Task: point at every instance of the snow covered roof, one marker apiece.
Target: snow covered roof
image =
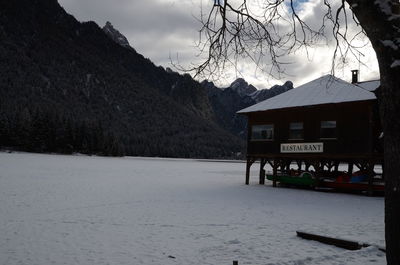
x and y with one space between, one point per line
370 85
324 90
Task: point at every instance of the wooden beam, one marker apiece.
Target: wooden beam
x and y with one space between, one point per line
342 243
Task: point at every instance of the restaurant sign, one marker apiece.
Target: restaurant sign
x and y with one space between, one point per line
302 148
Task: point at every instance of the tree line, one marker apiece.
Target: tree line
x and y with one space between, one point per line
44 130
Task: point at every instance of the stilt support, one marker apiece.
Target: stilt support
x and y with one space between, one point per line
250 162
262 171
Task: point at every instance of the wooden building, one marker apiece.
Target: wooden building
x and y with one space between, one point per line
316 126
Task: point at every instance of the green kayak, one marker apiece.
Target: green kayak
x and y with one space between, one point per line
302 180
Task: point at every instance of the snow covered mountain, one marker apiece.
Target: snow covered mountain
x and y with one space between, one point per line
242 88
227 101
263 94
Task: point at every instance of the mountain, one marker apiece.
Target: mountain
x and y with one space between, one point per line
67 86
239 95
181 88
263 94
242 88
115 35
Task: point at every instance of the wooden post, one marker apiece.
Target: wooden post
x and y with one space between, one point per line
287 164
337 166
319 167
248 165
299 164
350 168
250 161
370 172
274 173
307 165
262 171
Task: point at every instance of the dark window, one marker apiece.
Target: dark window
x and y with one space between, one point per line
262 132
328 129
296 131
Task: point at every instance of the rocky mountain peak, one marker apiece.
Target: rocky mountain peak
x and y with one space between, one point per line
288 85
115 35
264 94
242 87
239 95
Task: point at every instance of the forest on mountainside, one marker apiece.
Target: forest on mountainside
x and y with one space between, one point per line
66 87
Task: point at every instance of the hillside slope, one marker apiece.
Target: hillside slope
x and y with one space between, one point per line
67 87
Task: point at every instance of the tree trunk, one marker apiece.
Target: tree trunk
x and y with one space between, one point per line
390 115
382 28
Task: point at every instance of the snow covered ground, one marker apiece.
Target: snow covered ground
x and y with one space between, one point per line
58 209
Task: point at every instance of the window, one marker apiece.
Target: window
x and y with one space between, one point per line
262 132
296 131
328 129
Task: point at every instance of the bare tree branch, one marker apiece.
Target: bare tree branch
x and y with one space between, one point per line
265 35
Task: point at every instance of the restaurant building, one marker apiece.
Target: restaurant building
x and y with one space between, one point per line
315 128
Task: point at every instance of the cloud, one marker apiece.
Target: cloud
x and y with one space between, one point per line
155 28
160 29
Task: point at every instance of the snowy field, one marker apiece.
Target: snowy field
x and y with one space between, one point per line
84 210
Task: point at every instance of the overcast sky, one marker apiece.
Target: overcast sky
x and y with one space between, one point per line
164 29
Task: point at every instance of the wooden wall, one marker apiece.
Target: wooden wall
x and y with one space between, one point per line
357 127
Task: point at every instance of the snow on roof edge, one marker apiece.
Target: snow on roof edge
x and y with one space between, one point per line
370 85
311 94
313 105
